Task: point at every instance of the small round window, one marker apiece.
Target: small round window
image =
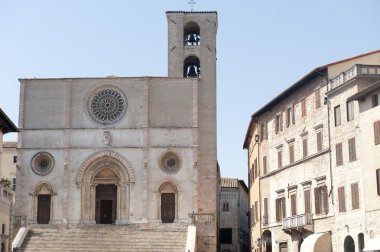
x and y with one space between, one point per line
170 162
106 106
42 163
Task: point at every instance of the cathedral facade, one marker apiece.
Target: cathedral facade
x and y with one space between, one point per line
121 150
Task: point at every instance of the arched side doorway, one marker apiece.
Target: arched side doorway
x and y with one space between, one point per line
43 197
267 241
104 181
168 202
349 244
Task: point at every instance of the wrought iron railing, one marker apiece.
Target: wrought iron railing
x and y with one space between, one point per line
297 221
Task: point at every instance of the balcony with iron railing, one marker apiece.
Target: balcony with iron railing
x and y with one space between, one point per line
355 71
298 223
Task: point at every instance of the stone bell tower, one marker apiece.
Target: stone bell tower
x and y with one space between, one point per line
192 54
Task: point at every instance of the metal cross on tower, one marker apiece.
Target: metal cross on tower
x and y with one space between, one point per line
192 4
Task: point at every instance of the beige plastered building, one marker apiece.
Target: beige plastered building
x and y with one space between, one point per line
300 187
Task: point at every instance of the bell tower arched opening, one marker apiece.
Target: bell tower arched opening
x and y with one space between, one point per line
191 34
192 67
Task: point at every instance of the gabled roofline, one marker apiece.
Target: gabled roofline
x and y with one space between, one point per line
6 125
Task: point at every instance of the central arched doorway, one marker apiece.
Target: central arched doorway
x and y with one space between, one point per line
104 180
168 201
106 196
43 198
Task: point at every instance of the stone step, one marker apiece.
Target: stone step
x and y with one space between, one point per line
134 237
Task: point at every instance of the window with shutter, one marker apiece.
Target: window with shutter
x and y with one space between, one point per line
288 116
337 115
378 181
317 98
256 169
291 153
293 115
279 158
264 165
281 122
253 215
304 147
265 216
256 211
277 124
325 200
293 202
376 127
350 111
278 218
283 209
307 201
355 196
351 149
375 101
266 130
319 141
338 154
317 201
342 199
303 107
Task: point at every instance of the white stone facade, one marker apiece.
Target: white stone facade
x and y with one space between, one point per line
138 138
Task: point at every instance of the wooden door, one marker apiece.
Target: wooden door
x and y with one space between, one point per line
106 212
43 209
167 207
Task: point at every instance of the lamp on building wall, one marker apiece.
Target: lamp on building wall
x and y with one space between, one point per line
257 138
258 242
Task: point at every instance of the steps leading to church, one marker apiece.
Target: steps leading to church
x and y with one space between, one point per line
134 237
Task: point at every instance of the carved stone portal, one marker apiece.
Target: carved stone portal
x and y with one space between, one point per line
105 168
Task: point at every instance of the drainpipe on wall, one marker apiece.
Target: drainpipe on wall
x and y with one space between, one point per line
327 102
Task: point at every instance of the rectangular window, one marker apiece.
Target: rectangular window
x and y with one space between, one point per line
378 181
256 169
264 165
14 159
265 216
293 203
266 130
226 235
307 201
279 158
3 228
253 215
317 98
338 154
303 107
262 132
14 184
281 122
376 127
337 115
321 200
351 149
350 111
341 199
291 153
375 101
355 196
277 124
256 211
319 141
293 115
304 147
288 116
280 209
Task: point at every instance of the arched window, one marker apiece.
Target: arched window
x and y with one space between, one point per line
191 34
192 67
226 206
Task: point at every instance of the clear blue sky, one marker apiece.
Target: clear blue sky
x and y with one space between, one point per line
262 48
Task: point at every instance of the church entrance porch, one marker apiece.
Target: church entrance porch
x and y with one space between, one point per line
106 202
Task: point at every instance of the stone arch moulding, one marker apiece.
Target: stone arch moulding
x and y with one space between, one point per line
87 183
43 187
